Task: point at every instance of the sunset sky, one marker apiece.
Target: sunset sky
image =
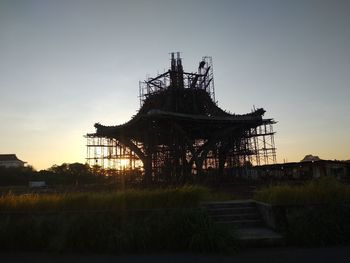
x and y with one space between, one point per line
65 65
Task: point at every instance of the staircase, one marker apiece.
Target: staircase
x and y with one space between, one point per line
245 218
236 213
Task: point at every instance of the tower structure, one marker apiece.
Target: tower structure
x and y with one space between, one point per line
180 133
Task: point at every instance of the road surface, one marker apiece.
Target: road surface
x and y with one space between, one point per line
261 255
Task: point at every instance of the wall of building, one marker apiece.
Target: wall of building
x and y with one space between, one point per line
305 170
11 163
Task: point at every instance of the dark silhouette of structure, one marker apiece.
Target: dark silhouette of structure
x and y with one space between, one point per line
10 160
179 132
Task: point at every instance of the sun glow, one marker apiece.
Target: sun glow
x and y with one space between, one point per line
124 163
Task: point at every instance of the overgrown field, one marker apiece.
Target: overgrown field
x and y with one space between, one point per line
181 197
167 230
323 191
316 213
319 226
130 221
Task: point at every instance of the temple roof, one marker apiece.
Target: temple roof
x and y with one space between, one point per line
9 158
185 100
192 108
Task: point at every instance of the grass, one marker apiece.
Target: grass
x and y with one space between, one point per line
159 231
322 191
184 197
173 222
167 198
322 217
319 226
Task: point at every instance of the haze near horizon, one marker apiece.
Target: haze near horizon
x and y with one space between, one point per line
66 65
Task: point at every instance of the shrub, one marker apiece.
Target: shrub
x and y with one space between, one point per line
319 226
187 196
324 190
120 222
175 230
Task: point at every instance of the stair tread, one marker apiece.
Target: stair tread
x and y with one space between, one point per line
257 233
248 201
246 220
240 221
240 214
231 208
229 204
234 212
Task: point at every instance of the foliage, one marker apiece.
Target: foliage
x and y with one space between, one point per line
57 174
186 196
167 230
324 190
318 214
128 221
320 226
16 175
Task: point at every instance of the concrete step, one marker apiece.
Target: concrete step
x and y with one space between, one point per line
246 220
245 223
240 216
257 233
228 205
238 213
259 236
231 211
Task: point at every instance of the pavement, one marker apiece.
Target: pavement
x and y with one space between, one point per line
257 233
261 255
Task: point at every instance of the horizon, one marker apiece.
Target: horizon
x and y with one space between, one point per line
68 65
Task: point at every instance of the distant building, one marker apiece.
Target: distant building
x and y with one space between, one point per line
10 160
306 169
310 158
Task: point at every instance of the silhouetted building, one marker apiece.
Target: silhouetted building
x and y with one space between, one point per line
180 133
10 160
310 158
305 170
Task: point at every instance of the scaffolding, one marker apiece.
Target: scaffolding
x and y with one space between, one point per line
180 132
203 79
109 153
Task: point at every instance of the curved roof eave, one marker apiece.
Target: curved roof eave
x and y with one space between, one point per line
140 119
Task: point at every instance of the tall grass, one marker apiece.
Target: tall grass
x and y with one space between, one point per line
323 191
319 226
174 230
101 223
184 197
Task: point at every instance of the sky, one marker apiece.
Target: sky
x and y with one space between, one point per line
65 65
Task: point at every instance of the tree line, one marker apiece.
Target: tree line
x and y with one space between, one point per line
66 173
